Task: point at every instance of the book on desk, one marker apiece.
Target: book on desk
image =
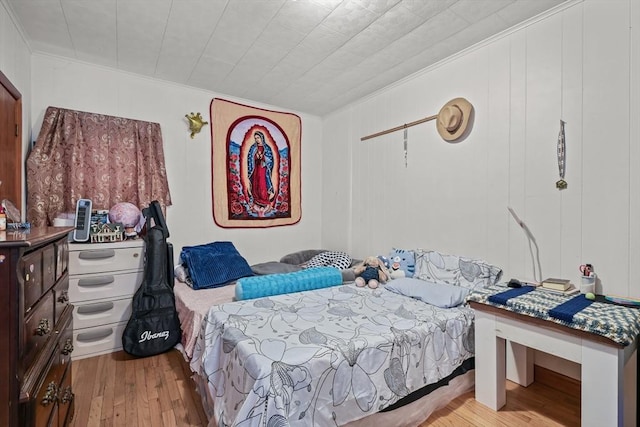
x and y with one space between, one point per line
556 284
570 291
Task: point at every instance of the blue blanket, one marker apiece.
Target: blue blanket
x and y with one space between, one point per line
566 310
503 297
214 264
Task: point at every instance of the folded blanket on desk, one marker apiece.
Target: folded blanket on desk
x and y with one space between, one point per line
566 310
505 296
214 264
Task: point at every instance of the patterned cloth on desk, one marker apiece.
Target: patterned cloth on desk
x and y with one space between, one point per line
570 308
503 297
618 323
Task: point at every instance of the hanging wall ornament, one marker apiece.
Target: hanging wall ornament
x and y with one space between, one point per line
561 184
406 137
195 123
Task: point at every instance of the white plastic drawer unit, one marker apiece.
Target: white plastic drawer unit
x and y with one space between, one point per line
103 285
103 277
91 258
98 340
101 313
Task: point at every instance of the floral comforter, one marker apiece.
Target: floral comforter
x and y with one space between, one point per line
325 357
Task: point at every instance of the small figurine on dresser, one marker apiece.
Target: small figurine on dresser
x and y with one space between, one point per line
107 232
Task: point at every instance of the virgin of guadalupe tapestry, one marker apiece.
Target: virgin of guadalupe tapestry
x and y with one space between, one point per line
255 160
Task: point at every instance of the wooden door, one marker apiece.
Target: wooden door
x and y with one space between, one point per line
10 142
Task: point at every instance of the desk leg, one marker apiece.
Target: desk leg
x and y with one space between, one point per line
520 364
602 385
490 362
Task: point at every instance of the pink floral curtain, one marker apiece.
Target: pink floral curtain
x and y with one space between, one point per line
106 159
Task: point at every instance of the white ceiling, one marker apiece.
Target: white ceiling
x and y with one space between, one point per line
313 56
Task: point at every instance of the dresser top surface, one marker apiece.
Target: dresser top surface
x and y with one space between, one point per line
131 243
32 237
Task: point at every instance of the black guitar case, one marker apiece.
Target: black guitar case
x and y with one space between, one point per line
154 326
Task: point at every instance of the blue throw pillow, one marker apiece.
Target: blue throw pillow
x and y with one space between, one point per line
402 263
438 294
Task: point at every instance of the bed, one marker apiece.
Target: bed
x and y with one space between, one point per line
325 357
341 355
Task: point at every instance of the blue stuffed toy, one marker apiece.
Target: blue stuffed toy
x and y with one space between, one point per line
400 263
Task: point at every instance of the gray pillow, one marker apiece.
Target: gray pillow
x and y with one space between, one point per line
274 267
300 257
439 294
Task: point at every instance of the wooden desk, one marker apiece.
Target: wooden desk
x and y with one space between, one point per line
608 369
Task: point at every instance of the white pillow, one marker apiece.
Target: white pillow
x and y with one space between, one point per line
455 270
438 294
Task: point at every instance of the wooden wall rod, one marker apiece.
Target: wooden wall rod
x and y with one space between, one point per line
407 125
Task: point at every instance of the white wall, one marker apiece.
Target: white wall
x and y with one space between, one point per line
572 64
79 86
15 63
578 63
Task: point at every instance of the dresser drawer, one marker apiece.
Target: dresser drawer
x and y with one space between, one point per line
31 273
61 297
62 249
48 267
46 395
98 340
65 399
65 340
38 328
41 389
64 350
103 285
92 314
105 259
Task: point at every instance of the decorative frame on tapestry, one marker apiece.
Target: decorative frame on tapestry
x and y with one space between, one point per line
255 166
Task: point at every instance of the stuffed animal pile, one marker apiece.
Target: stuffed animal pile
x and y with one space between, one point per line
371 272
374 271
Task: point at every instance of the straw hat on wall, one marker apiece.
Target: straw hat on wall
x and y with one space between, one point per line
454 119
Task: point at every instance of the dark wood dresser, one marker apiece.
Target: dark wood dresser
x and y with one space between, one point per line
36 328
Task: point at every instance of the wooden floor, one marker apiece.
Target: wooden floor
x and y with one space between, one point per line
119 390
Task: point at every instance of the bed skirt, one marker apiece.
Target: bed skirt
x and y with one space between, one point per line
413 410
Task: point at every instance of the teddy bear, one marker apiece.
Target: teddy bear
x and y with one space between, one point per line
370 272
